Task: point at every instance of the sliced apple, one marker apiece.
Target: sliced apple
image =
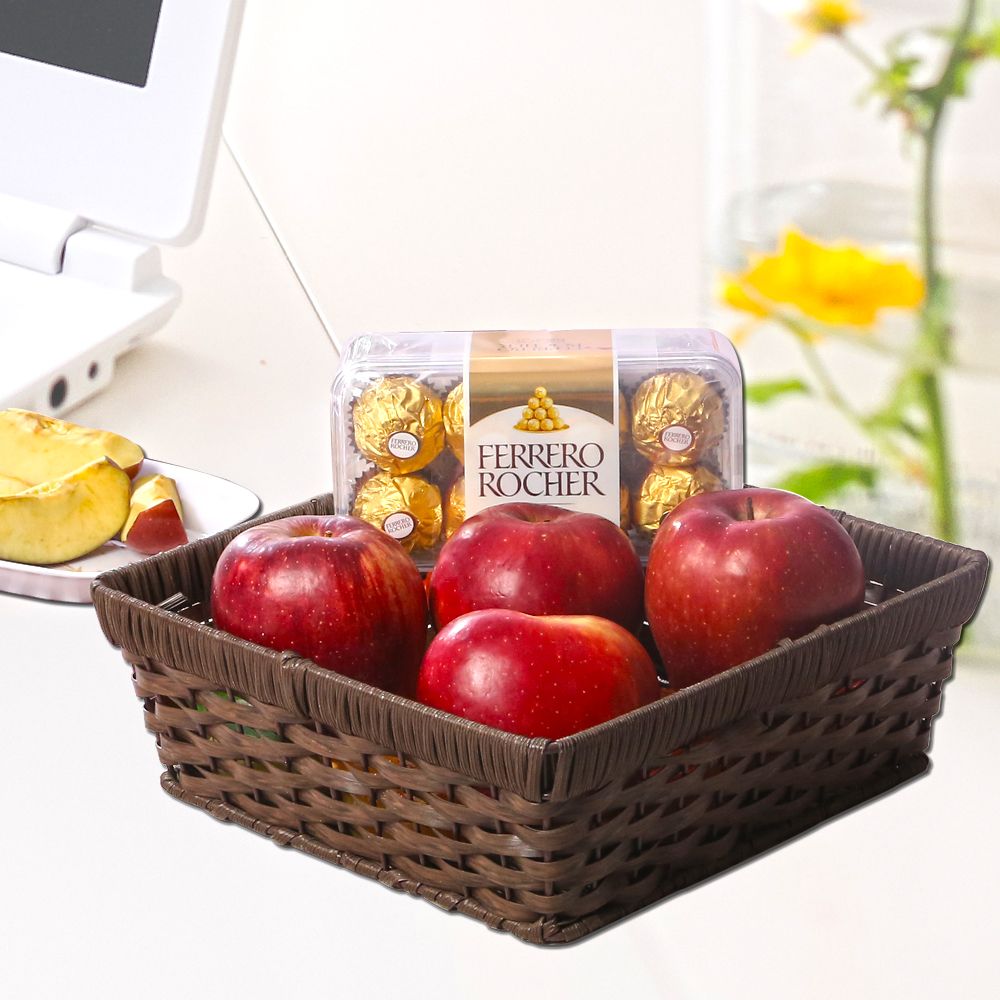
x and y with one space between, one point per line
155 520
11 484
37 448
64 518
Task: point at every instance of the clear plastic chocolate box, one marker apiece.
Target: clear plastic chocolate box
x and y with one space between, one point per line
431 428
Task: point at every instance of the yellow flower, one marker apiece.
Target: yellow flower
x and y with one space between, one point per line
839 284
827 17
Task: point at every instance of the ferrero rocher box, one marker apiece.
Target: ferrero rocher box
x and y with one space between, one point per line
432 428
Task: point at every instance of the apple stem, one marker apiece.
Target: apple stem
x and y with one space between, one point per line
749 508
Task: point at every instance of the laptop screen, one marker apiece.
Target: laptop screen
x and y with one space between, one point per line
107 38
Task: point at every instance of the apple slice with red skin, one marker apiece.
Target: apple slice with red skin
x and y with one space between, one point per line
536 676
732 573
155 520
333 589
539 559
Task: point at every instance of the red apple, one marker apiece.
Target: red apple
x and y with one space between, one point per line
733 572
533 676
541 560
333 589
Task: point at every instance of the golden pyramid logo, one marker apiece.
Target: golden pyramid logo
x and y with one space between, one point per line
541 414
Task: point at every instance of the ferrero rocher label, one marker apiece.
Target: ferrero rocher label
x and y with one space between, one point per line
398 424
677 418
664 488
454 507
408 508
542 420
454 420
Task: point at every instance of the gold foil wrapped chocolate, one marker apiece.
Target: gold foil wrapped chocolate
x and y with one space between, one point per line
677 418
664 488
398 424
454 420
408 508
454 507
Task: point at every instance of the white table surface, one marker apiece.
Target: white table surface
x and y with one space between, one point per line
109 888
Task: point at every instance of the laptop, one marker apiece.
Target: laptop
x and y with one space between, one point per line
110 123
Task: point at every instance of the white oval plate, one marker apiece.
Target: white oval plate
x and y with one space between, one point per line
210 505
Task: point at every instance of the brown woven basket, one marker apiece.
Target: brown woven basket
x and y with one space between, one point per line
549 840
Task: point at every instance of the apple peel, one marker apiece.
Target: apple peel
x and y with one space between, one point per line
155 521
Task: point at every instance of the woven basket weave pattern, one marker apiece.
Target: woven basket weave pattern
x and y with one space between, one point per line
548 840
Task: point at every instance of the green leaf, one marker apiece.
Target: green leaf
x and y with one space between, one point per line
991 41
767 392
984 44
826 479
893 85
895 413
257 734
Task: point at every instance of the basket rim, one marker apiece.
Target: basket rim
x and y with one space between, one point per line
942 585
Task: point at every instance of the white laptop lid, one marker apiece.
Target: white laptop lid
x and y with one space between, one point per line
112 108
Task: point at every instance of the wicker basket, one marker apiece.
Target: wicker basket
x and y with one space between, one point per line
549 840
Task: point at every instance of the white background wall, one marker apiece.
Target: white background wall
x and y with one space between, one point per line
462 164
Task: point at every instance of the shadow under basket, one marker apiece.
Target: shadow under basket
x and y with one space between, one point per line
548 840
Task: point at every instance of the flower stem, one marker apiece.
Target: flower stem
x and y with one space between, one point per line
839 401
935 330
869 342
862 55
936 344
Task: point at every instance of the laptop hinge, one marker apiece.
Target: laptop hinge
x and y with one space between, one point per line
33 235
